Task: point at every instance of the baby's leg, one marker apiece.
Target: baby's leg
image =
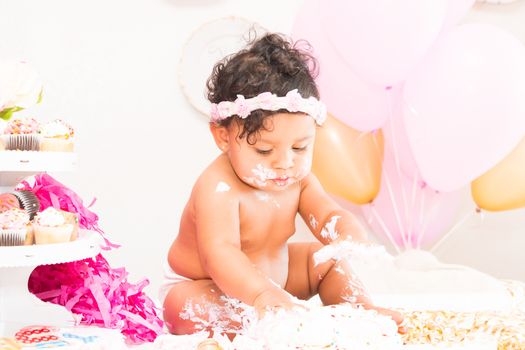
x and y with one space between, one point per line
334 281
303 278
194 298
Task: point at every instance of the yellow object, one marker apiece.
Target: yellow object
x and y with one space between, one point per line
9 344
449 327
347 161
503 186
209 344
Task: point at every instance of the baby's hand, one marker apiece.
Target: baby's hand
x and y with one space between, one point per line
274 298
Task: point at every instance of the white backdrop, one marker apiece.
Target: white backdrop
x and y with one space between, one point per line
110 68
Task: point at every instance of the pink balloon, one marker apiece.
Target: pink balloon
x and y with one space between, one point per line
348 97
409 213
456 10
382 40
464 105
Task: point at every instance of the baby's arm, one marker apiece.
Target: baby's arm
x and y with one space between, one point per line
218 238
325 217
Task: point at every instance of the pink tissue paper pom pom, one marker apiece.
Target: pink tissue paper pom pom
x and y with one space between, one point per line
101 295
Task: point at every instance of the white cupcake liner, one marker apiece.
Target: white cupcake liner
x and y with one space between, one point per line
12 237
24 142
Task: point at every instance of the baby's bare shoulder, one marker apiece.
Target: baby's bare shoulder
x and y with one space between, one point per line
218 177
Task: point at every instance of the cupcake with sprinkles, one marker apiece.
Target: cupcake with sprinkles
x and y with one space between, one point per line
8 201
15 229
21 134
57 136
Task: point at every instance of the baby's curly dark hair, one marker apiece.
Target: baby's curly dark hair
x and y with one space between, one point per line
271 63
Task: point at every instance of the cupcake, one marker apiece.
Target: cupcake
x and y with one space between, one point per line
14 228
57 136
8 201
21 134
50 226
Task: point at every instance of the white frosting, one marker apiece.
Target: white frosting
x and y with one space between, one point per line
50 217
222 187
262 196
321 328
328 230
313 221
261 176
353 251
314 327
54 128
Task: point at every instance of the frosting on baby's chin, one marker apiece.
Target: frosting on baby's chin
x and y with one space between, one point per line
260 177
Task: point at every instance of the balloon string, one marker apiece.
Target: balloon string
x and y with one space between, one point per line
452 230
396 209
385 229
407 239
413 197
425 224
393 204
421 215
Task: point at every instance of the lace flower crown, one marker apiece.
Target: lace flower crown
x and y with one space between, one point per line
292 102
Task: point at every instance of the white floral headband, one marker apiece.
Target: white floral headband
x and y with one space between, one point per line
293 102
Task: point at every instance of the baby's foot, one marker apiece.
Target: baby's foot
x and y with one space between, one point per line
395 315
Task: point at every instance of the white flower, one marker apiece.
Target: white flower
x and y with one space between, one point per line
20 86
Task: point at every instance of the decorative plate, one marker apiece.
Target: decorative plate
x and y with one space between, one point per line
207 45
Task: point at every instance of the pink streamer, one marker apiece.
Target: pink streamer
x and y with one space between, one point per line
52 193
101 294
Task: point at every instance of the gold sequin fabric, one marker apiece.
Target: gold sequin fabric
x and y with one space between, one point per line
447 327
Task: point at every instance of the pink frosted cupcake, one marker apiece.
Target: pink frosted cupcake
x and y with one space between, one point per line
14 228
51 226
21 134
57 136
8 201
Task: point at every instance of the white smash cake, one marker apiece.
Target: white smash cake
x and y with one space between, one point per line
445 306
416 280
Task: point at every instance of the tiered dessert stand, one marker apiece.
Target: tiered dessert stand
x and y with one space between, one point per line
18 307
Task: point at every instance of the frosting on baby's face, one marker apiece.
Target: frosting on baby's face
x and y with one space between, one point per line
281 155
